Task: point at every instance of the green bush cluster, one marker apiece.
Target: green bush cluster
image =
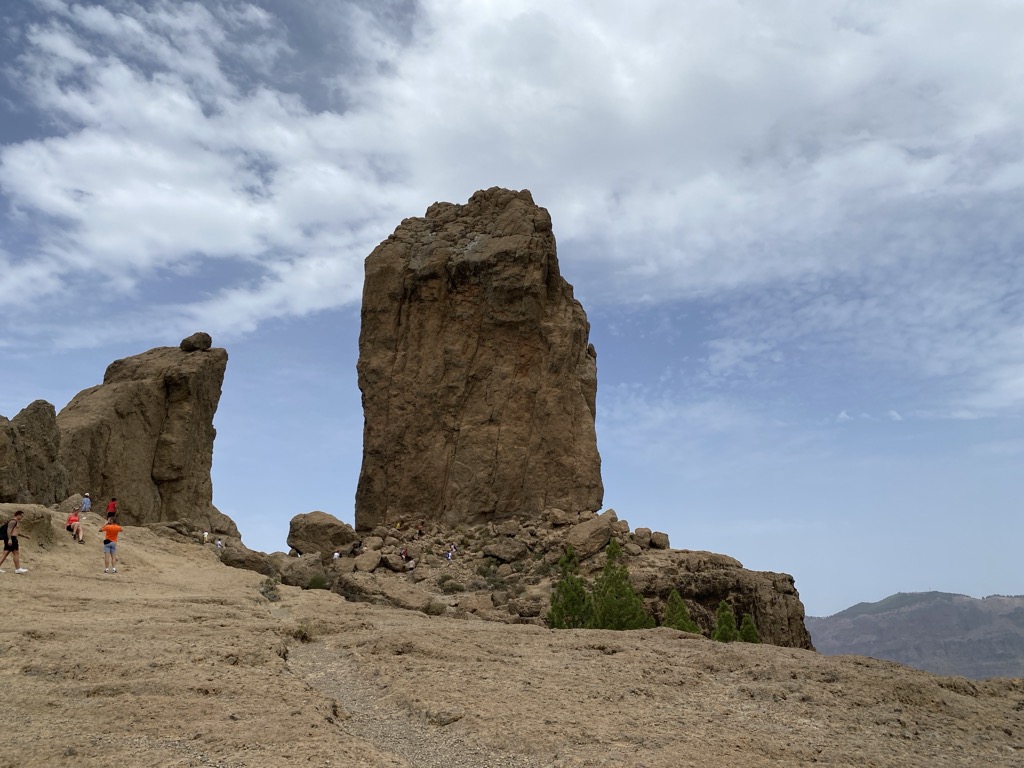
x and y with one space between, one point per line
609 603
725 626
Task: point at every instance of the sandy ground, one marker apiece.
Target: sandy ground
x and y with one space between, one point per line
180 661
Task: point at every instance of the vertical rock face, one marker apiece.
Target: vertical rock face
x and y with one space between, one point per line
146 435
477 376
29 444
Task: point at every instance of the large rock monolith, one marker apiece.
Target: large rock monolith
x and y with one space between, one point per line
145 435
477 375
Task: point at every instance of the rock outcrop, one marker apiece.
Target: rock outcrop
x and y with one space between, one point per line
505 571
320 532
477 376
29 467
145 435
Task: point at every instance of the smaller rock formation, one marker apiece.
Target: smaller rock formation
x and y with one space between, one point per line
145 435
320 532
29 467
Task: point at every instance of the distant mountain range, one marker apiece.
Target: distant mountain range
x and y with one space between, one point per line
935 631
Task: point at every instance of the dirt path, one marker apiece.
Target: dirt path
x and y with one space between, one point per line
373 713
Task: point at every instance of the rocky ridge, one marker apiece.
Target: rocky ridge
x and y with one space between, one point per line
505 571
936 631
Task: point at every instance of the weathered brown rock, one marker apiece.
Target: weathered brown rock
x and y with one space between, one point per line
507 550
589 538
238 556
478 379
704 579
29 469
368 560
36 525
320 532
371 588
304 572
145 436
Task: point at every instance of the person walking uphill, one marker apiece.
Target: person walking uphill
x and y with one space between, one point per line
110 531
11 531
111 509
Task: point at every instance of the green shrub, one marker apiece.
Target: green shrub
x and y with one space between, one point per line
677 615
452 586
434 609
616 605
725 624
748 630
571 605
318 581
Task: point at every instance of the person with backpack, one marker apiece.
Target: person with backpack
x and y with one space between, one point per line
11 531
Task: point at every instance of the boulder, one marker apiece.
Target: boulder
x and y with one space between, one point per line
559 517
145 435
387 590
659 540
238 556
304 572
38 524
320 532
368 560
590 537
30 471
642 537
476 371
507 550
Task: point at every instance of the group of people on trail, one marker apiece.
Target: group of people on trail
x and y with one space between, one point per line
12 531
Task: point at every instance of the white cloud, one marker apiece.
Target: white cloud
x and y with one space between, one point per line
816 171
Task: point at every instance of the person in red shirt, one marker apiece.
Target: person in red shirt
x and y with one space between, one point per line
111 508
110 531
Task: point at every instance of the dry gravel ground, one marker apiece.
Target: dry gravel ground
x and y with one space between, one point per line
180 661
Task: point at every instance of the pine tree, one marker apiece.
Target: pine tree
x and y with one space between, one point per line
748 630
616 604
725 624
571 605
677 615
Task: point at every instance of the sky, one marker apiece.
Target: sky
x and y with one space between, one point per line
795 228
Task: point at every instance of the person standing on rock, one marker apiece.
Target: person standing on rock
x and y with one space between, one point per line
86 504
111 509
12 531
110 531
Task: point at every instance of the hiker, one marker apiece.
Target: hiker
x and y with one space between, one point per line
111 509
86 504
206 537
110 531
12 530
74 525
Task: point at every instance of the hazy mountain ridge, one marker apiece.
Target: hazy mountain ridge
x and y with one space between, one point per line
940 632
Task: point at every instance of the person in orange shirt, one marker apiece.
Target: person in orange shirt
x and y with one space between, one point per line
110 531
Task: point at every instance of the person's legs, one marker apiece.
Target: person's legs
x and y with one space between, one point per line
113 558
